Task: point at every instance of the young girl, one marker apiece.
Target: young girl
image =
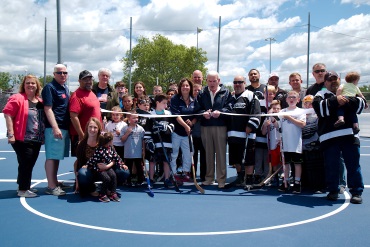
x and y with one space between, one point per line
271 125
102 161
114 126
132 136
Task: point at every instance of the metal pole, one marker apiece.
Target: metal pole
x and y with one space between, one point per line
45 53
308 47
130 58
59 35
218 52
198 31
270 39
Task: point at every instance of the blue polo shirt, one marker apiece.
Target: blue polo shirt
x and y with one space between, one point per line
57 96
179 107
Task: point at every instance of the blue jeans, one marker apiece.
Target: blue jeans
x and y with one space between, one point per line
86 178
183 142
351 157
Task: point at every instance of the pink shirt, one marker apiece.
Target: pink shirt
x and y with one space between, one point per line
17 108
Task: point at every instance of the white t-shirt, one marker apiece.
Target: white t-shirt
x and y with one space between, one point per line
274 136
291 133
115 128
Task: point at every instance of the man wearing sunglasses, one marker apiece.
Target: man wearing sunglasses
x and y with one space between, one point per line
318 72
56 100
242 129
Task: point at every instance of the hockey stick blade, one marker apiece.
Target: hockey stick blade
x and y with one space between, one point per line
201 190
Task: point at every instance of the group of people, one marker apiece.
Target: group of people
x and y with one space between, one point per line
111 145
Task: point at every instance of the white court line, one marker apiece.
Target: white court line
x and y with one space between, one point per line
32 210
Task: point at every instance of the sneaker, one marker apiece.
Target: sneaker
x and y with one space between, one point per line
356 199
296 187
168 183
30 189
249 180
206 182
104 198
114 197
27 194
57 191
282 187
186 177
338 123
332 196
63 185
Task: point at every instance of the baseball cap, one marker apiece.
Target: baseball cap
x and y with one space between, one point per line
330 74
84 74
273 74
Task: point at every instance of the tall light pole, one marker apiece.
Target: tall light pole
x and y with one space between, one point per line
270 39
198 31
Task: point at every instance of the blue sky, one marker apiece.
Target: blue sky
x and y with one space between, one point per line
95 34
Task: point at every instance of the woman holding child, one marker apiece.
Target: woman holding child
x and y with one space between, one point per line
85 177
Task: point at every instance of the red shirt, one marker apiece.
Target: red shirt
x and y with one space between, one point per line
86 105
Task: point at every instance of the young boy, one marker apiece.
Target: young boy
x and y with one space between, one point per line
291 136
163 127
132 136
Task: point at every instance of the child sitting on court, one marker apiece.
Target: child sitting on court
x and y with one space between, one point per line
132 135
349 89
102 161
291 137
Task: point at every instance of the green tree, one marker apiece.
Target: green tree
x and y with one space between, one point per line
162 59
5 78
49 78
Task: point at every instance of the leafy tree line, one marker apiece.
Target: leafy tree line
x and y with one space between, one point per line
162 60
9 81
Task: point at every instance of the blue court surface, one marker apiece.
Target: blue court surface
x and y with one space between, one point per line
231 217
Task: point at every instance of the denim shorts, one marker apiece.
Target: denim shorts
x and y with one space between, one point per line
56 149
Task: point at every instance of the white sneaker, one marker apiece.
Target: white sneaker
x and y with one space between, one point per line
31 189
27 194
57 191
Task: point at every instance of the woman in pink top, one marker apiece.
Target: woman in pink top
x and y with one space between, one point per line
24 116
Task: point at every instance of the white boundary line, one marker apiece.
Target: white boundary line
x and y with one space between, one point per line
32 210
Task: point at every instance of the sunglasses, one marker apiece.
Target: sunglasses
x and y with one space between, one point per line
238 82
59 73
144 101
320 70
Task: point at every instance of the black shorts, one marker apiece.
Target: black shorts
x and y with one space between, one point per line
292 158
236 151
159 156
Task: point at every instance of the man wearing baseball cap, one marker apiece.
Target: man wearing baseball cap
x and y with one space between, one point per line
82 106
280 93
339 140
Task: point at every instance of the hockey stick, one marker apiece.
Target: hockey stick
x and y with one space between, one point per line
267 179
168 163
149 192
201 190
285 171
233 183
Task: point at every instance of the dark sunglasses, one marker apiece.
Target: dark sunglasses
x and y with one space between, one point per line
143 101
238 82
59 73
320 70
